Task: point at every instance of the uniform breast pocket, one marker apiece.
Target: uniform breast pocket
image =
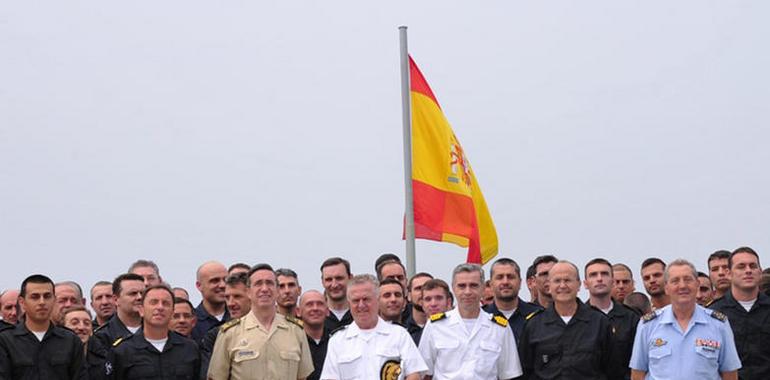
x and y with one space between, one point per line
290 360
141 372
184 371
59 361
351 367
488 353
708 360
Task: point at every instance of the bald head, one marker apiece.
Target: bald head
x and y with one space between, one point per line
211 283
310 294
8 308
208 267
313 309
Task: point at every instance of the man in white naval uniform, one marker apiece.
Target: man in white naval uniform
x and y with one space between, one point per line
466 342
369 346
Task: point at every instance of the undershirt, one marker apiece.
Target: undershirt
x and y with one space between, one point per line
566 319
219 317
469 324
747 304
39 335
133 330
607 310
367 334
158 343
339 313
508 313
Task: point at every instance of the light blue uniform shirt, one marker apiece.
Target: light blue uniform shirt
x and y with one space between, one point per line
702 351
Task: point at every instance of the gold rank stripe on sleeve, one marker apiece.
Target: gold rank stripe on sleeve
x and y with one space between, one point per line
437 317
500 320
532 314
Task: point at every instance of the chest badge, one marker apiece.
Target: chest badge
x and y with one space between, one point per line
659 342
545 359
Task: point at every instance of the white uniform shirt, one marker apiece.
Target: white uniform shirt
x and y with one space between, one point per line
453 352
354 355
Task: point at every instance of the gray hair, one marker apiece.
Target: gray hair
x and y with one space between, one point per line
679 262
361 279
468 268
72 284
144 263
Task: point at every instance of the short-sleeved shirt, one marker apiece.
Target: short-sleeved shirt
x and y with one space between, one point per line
704 350
356 354
451 351
244 349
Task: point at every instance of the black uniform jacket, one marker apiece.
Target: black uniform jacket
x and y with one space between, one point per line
519 316
751 330
58 356
136 358
100 345
580 349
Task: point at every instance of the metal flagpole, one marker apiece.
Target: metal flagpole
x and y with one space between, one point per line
406 118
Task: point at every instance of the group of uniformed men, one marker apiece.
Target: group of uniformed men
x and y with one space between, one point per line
254 322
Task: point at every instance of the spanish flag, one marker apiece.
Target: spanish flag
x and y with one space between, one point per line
448 204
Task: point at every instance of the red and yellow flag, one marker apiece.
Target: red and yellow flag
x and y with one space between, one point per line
448 204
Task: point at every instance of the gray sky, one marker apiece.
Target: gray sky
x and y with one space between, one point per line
257 132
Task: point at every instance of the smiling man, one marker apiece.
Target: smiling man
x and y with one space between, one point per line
263 344
183 319
684 340
313 310
505 280
36 348
128 290
155 351
749 313
335 273
212 311
467 342
392 300
370 346
569 340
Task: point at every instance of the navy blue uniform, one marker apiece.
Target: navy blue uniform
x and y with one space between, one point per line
100 345
136 358
59 356
206 322
580 349
519 316
751 330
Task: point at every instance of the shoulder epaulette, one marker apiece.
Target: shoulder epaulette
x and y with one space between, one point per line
437 317
649 316
338 329
229 324
532 314
118 341
500 320
718 315
295 321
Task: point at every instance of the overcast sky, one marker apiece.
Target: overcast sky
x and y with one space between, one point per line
250 131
